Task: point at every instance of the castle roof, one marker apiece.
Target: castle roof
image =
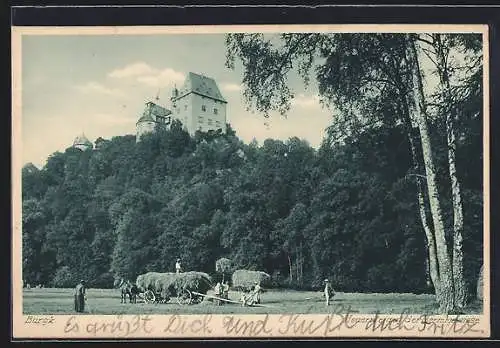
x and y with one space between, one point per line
82 140
201 85
146 117
152 111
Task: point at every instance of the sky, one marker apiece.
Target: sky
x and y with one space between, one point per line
98 84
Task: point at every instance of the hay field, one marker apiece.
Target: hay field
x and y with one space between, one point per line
107 301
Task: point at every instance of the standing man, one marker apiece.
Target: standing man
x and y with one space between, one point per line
218 293
80 297
225 290
178 267
256 292
329 293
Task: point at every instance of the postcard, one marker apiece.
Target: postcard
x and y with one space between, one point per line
250 182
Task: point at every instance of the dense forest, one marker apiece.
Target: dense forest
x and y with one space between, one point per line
300 214
355 210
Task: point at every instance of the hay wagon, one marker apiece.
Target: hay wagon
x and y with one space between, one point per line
149 296
183 297
184 287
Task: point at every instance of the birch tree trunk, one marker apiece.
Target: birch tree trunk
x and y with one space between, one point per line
432 261
458 218
418 114
297 263
432 266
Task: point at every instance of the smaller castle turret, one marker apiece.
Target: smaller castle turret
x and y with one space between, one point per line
81 142
152 117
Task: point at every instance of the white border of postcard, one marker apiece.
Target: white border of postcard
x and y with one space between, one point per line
213 326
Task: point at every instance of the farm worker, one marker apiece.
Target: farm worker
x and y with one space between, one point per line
178 267
225 290
218 293
328 292
256 292
80 296
243 300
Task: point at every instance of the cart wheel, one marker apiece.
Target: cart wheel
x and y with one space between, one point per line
197 299
149 296
184 297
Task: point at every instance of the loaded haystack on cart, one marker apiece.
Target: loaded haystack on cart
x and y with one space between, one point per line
247 282
185 287
250 283
147 284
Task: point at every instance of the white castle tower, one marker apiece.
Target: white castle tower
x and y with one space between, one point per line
199 104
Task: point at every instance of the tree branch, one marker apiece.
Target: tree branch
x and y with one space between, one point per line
290 52
428 54
419 38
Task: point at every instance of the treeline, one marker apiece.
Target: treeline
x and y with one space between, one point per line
347 212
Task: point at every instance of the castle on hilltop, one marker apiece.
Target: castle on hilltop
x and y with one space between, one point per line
198 105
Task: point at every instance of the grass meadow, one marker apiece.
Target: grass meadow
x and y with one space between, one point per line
107 301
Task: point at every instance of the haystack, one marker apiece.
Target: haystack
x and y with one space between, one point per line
170 284
148 281
245 280
193 281
223 265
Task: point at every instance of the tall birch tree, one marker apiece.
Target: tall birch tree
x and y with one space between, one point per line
361 76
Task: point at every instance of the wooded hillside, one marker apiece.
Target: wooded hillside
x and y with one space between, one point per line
348 212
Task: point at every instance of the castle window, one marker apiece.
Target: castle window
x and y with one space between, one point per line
216 111
203 108
209 122
185 107
217 124
200 119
